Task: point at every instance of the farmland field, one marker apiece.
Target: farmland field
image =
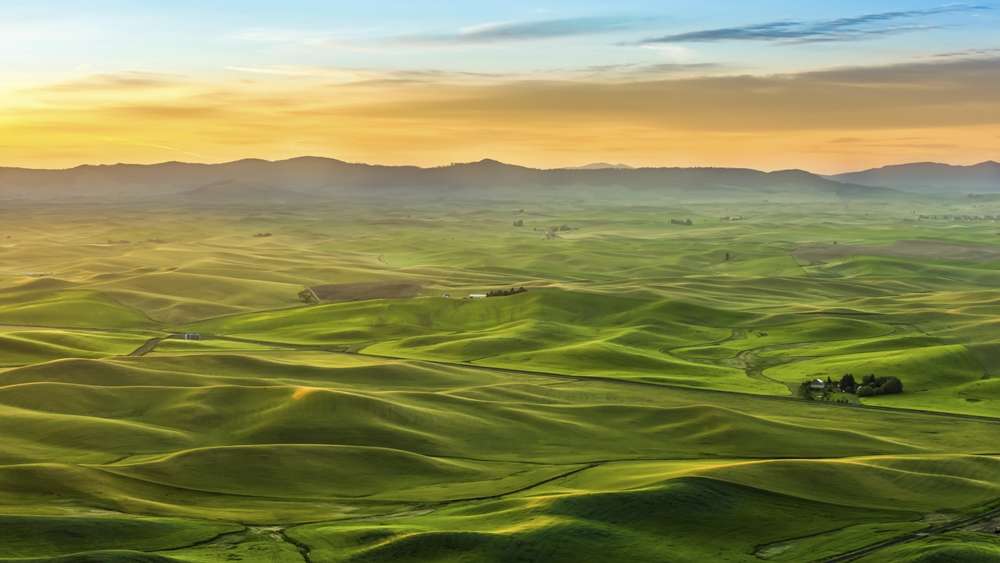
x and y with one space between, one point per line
636 402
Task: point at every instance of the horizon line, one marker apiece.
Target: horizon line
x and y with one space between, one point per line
487 159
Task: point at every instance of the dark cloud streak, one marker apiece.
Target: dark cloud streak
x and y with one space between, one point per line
939 94
855 28
529 30
968 53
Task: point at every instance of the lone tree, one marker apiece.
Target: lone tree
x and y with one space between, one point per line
891 385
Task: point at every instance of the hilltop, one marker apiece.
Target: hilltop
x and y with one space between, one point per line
930 177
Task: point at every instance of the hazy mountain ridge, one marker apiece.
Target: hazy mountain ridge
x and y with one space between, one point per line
930 177
318 176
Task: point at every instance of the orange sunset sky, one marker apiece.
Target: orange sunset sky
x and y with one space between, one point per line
851 86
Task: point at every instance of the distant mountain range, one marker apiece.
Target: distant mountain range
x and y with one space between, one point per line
307 178
930 177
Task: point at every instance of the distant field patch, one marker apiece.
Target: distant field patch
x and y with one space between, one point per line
919 249
365 290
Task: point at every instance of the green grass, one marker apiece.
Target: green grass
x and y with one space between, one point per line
321 471
45 536
956 546
26 346
680 520
75 309
633 405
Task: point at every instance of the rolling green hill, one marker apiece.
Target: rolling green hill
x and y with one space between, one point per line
637 402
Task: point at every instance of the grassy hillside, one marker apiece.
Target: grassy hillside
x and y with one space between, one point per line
25 345
635 403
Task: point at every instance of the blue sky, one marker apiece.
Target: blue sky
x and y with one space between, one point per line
186 36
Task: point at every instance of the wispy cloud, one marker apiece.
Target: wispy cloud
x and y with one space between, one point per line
139 143
865 26
925 94
968 53
135 80
350 39
500 32
640 71
294 71
573 114
371 76
274 35
337 75
882 143
492 32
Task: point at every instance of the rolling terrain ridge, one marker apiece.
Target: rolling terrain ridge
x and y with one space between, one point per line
636 402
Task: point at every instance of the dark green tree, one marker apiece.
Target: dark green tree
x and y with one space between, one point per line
891 385
848 384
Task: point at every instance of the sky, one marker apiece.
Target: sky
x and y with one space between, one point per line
769 84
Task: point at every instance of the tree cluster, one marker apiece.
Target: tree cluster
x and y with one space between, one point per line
505 292
848 384
686 222
872 386
962 217
805 390
869 386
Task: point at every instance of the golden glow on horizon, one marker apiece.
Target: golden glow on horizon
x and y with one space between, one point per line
821 121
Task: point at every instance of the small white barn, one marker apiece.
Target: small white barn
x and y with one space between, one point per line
477 296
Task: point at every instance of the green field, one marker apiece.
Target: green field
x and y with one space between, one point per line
634 404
